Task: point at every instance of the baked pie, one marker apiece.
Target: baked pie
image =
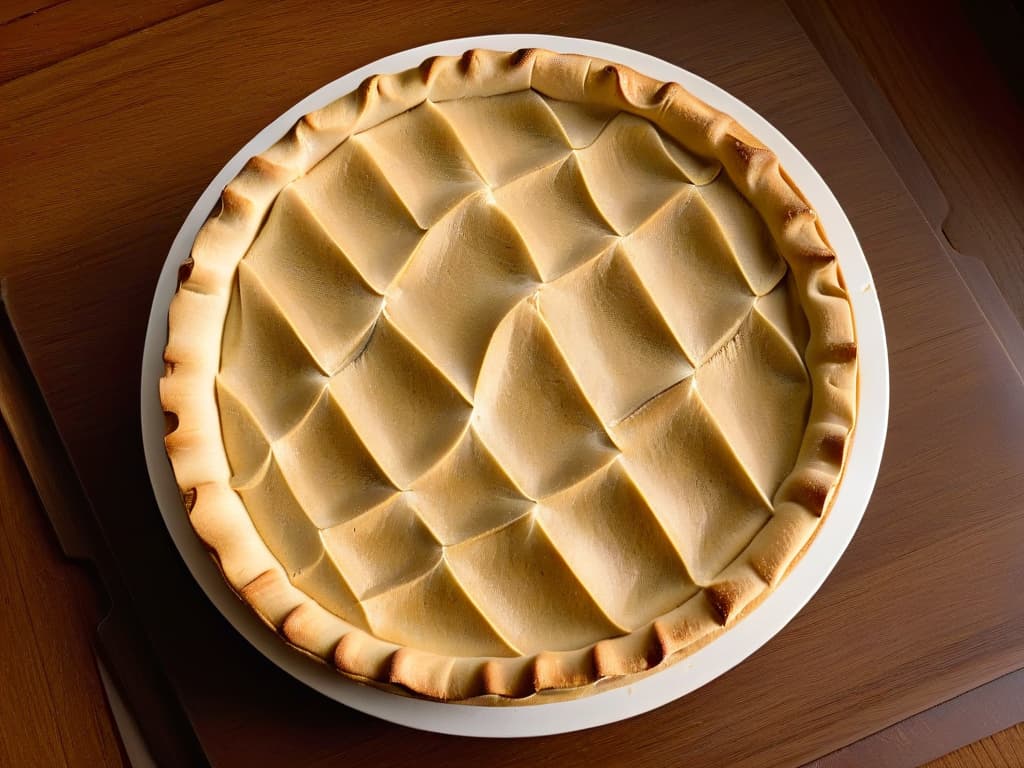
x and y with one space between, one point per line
509 377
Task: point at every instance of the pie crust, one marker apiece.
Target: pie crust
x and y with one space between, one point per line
509 377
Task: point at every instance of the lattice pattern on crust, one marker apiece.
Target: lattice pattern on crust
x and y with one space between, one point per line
576 400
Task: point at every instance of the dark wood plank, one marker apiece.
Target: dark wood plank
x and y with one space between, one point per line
119 640
73 26
961 113
824 30
942 729
90 220
53 711
974 260
994 706
10 10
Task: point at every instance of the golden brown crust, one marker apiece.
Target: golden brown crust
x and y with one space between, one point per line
196 320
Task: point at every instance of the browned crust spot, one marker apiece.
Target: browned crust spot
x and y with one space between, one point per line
470 61
350 658
427 68
305 123
523 57
185 269
436 677
811 492
724 598
770 564
795 213
499 681
611 662
635 88
767 566
188 498
673 635
233 203
256 585
292 626
841 352
667 94
818 254
668 91
555 670
261 166
170 417
747 153
833 447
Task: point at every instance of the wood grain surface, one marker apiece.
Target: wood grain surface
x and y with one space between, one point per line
19 10
75 26
965 191
962 114
1001 750
52 710
105 152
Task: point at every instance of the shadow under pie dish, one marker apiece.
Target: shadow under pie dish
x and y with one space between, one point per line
512 373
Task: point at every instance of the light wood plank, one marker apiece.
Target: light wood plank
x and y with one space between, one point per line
72 27
1000 750
53 710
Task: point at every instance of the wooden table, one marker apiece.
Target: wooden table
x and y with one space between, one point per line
116 117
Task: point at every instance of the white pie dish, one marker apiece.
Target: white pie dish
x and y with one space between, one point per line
667 684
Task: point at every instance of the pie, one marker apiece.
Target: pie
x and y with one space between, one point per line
509 377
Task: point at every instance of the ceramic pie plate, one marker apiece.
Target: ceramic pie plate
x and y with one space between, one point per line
646 693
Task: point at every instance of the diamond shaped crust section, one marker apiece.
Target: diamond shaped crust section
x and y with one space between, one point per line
402 407
759 358
510 373
676 455
244 439
747 234
487 497
608 328
582 123
332 473
630 172
605 531
509 136
407 547
557 217
318 289
530 412
280 519
446 313
326 584
264 362
423 160
782 310
682 257
420 613
514 569
349 194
